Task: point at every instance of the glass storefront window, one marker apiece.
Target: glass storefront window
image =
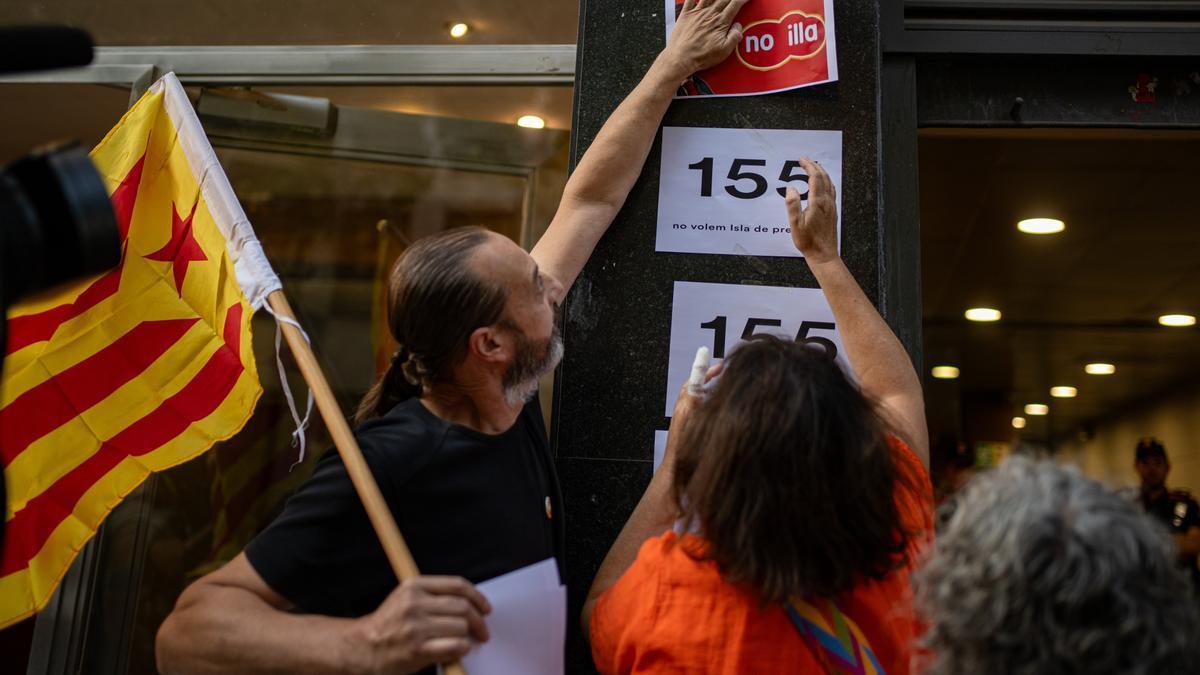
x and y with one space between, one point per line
333 207
332 228
34 114
306 22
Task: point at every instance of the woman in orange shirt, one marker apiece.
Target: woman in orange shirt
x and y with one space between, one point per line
804 498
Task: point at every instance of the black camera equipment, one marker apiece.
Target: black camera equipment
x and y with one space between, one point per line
56 220
25 49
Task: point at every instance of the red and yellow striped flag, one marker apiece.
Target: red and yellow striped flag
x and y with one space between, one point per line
140 369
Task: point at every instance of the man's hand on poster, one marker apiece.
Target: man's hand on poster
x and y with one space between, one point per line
814 229
704 34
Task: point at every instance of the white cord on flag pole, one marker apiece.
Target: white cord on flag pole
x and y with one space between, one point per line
301 424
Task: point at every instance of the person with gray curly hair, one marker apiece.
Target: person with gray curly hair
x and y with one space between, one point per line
1041 570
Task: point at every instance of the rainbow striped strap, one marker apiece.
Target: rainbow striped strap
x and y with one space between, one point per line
837 642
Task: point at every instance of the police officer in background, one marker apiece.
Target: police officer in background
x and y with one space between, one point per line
1174 508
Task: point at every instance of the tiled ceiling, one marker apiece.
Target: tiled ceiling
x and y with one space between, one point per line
1131 251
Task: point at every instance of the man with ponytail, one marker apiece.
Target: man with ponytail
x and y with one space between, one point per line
451 431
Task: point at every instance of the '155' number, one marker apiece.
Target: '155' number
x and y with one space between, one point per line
738 173
719 324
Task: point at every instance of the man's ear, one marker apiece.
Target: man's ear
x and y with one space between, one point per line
488 344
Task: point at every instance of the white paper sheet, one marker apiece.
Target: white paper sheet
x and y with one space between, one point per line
660 448
660 451
699 210
528 624
718 315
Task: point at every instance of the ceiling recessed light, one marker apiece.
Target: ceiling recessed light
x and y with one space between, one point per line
1037 409
1099 369
458 30
982 314
1064 392
1041 226
531 122
945 372
1177 320
1018 422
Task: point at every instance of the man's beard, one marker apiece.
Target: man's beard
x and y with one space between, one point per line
532 361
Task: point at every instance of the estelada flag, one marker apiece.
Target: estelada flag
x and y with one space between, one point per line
140 369
786 44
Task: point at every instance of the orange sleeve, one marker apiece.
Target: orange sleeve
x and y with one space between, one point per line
626 611
914 498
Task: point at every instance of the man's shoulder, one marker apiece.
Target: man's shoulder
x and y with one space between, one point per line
404 434
405 418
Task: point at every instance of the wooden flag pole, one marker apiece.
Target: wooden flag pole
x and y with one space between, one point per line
360 474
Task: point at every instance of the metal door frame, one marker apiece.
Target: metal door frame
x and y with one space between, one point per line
1084 27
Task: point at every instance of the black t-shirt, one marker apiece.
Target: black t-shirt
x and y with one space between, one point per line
468 504
1176 509
1179 512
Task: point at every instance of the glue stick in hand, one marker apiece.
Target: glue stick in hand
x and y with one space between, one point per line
699 370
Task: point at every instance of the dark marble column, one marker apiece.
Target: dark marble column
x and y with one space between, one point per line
612 383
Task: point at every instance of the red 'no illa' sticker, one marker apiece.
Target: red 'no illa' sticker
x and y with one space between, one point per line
767 45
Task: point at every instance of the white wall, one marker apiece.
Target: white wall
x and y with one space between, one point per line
1174 420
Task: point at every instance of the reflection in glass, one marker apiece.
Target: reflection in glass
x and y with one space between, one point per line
332 228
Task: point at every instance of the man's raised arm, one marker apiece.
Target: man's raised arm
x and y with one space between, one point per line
704 35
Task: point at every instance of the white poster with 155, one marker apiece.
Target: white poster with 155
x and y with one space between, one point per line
721 190
719 316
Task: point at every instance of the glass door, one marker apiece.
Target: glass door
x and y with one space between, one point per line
335 193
